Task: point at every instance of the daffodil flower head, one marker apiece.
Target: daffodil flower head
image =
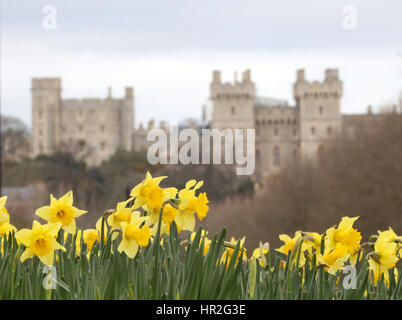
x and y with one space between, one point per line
229 250
334 260
344 234
207 242
40 241
121 214
383 258
260 252
61 210
148 192
189 204
4 216
134 235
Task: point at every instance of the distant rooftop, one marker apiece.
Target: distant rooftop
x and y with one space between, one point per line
266 102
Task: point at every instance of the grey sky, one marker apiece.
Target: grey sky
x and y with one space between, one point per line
167 50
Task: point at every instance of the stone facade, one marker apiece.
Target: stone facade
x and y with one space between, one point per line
91 129
282 132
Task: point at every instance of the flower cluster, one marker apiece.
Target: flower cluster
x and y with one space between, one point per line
152 209
135 220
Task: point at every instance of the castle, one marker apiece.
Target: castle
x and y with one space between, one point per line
91 129
283 132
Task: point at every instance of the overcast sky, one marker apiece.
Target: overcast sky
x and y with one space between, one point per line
167 49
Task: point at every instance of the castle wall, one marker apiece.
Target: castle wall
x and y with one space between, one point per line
283 133
91 129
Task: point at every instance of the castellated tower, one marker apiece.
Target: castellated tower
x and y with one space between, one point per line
127 119
46 103
319 108
232 102
91 129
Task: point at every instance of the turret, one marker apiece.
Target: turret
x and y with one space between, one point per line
232 102
46 104
319 107
127 119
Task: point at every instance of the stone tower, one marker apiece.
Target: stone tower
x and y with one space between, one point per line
319 108
127 119
46 103
91 129
232 102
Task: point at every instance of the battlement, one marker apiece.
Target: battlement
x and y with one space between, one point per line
46 83
330 86
244 89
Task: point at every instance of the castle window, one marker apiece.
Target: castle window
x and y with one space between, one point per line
321 110
233 111
329 130
313 130
276 131
276 157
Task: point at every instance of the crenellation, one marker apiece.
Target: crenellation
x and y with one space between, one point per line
283 132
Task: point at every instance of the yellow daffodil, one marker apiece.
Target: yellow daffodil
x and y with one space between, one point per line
260 252
314 239
229 249
383 258
334 260
168 215
90 236
148 192
292 246
189 204
121 214
346 235
207 242
134 235
61 210
40 241
5 226
4 216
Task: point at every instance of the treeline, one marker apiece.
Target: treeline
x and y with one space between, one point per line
99 188
359 175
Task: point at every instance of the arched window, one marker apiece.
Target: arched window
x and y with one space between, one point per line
313 130
276 157
276 131
233 110
329 130
321 110
294 131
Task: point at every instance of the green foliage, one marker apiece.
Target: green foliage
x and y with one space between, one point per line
171 269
